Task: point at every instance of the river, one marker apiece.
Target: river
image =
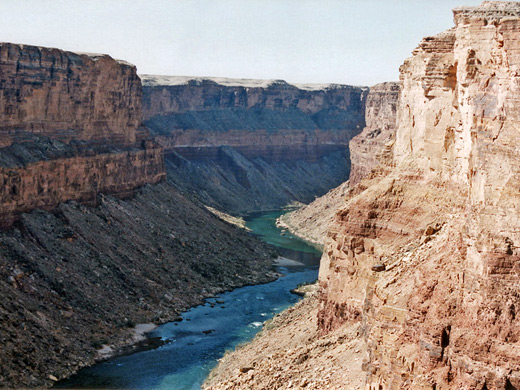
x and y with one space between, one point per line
191 348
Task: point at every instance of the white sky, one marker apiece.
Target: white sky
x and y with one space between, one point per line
360 42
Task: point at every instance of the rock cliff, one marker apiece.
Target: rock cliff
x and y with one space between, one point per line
276 142
311 222
78 267
70 129
380 118
424 257
67 96
44 172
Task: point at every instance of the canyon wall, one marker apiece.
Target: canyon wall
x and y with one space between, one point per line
367 149
380 118
44 173
65 95
70 129
424 255
275 142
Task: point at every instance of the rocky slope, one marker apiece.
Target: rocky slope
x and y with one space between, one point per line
75 276
265 142
311 222
290 354
423 256
80 277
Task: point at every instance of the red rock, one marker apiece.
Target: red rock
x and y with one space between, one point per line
92 100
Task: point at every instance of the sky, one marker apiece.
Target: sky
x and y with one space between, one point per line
358 42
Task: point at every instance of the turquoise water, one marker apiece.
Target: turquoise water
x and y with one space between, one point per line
192 347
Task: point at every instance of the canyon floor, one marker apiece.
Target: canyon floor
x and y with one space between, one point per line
290 354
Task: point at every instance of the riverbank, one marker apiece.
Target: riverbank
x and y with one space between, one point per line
82 277
289 353
186 350
311 222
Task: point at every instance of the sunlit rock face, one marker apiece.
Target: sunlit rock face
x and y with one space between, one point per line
424 254
380 118
69 129
67 96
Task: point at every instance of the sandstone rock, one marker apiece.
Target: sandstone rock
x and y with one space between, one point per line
441 315
380 118
66 96
43 173
70 130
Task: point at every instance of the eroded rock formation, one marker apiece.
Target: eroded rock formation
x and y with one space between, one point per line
70 129
424 256
380 118
275 142
67 96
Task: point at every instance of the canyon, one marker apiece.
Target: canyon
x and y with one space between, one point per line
95 239
106 188
251 145
311 222
418 285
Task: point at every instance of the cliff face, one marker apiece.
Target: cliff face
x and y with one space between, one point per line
380 118
44 173
424 254
277 141
69 129
265 118
67 96
367 150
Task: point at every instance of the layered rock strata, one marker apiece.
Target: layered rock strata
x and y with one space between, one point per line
367 149
66 96
279 142
259 118
43 173
70 129
424 255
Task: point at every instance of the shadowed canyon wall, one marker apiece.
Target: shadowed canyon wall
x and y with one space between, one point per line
424 253
254 144
87 108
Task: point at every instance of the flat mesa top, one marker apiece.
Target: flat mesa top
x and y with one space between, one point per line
490 9
160 80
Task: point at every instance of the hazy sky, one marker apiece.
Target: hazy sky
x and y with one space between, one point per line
359 42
